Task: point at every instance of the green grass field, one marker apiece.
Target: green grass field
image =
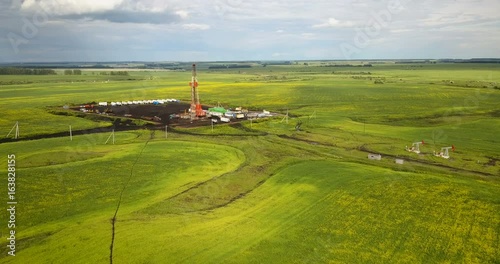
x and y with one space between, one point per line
263 192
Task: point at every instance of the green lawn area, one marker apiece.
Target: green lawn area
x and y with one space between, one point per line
309 212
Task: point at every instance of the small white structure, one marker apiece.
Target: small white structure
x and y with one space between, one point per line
103 103
374 156
400 161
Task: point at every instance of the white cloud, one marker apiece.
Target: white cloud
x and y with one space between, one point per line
65 7
237 29
280 54
182 13
117 11
334 23
308 35
401 30
457 15
193 26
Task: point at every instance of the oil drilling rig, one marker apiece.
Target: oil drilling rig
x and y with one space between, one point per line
195 109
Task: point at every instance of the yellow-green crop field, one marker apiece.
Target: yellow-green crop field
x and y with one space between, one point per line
260 191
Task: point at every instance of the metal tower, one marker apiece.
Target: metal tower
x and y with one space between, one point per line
195 109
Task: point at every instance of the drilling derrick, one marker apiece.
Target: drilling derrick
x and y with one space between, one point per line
195 109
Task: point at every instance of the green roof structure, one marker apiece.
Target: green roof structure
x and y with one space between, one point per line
217 110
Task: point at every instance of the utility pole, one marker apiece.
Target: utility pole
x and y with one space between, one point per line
111 136
16 127
285 118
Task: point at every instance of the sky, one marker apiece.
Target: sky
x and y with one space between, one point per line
228 30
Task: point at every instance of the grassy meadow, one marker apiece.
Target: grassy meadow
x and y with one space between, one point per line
262 191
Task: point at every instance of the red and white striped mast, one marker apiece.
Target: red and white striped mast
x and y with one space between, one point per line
196 109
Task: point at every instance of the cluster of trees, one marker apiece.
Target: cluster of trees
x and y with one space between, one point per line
72 72
161 65
24 71
264 64
347 65
351 73
473 60
230 66
122 73
79 72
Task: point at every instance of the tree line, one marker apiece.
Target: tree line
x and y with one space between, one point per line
79 72
231 66
122 73
24 71
72 72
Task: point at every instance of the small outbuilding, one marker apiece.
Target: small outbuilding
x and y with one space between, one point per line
374 156
217 111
